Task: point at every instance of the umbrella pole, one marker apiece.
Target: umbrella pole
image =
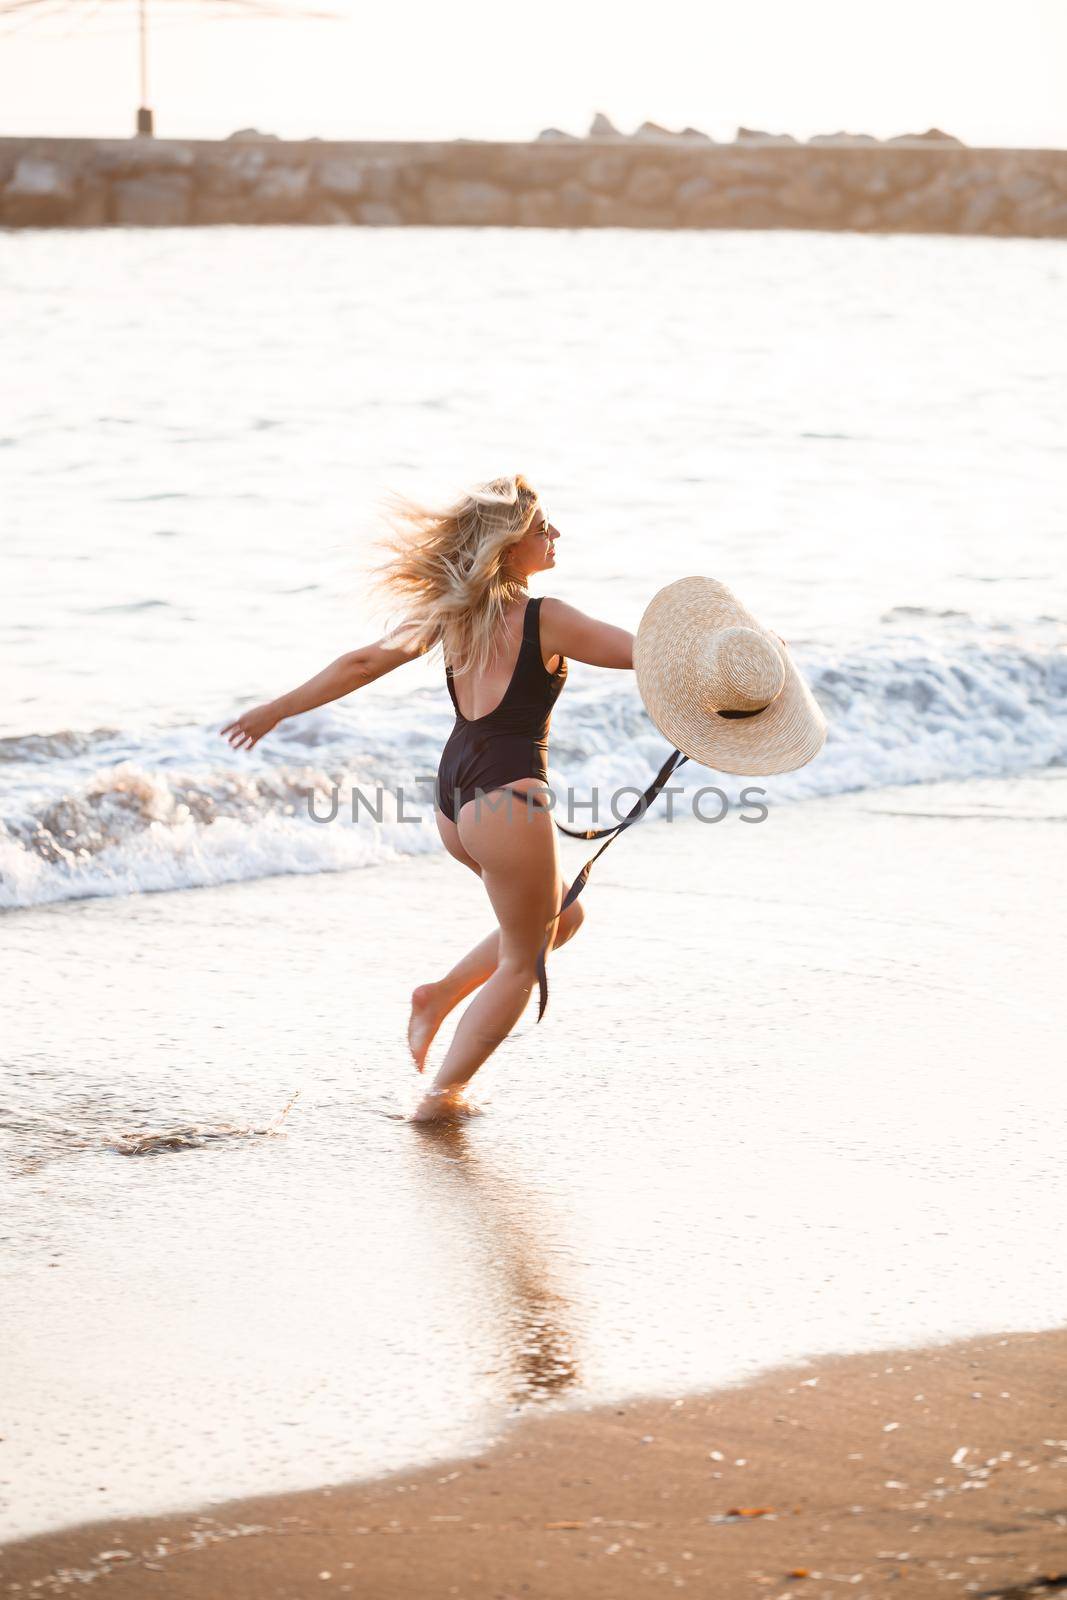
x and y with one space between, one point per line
144 113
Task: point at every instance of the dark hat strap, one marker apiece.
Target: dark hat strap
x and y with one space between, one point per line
754 713
672 763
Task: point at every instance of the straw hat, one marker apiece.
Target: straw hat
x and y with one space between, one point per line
720 686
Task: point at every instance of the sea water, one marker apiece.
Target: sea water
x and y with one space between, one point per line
861 435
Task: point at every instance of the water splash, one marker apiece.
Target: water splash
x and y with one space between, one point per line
170 1140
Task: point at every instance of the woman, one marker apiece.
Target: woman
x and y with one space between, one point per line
461 575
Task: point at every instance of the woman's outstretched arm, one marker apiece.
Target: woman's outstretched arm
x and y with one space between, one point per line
565 631
349 672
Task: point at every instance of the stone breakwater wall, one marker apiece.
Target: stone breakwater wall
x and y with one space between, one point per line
923 187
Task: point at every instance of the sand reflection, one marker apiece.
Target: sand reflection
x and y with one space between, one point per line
536 1337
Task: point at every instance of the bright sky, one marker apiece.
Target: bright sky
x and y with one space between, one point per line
990 71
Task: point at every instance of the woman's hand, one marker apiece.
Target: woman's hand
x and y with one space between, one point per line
350 671
250 726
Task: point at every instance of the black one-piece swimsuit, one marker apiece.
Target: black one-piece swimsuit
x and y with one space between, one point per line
511 741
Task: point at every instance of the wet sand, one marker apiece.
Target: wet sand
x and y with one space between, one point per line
799 1092
919 1472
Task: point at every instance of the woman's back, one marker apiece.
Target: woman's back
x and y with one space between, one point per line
508 741
512 675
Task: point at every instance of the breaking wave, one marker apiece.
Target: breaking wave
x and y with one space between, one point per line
114 812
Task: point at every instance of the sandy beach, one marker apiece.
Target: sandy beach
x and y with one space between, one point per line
938 1470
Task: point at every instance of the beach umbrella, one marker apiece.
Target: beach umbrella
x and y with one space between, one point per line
74 15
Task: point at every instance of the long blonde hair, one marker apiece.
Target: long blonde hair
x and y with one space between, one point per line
446 568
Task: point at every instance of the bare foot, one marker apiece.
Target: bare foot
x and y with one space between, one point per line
443 1105
429 1008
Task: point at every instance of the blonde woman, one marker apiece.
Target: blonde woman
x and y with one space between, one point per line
460 576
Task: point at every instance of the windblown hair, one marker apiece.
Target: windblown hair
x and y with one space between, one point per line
446 568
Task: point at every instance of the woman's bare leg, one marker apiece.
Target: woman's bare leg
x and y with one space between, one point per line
432 1002
515 848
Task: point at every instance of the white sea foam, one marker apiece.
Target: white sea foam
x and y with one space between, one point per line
120 812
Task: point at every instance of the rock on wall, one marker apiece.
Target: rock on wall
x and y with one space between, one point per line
913 187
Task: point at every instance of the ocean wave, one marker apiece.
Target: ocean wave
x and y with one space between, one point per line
22 748
118 812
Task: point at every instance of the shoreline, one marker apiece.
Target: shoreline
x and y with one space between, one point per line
944 1466
843 1140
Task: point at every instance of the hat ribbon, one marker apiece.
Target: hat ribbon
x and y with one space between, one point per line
672 763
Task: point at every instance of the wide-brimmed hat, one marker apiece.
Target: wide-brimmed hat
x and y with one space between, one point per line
722 687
